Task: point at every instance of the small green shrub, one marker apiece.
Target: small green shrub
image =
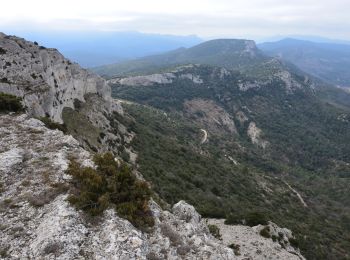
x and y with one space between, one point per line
110 185
294 242
236 249
4 80
265 232
250 219
215 231
4 251
10 103
274 238
53 125
256 218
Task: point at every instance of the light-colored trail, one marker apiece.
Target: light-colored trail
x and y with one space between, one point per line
298 195
205 136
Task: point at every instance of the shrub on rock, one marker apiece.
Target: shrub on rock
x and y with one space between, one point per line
10 103
110 185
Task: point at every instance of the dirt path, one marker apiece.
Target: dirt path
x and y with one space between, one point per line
205 136
298 195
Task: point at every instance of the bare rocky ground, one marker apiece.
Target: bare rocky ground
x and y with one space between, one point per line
249 244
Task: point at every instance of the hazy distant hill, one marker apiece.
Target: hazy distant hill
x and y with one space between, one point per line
91 49
328 61
228 53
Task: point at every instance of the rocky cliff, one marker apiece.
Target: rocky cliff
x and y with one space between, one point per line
45 80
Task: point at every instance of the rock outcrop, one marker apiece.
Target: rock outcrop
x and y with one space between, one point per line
158 78
45 80
52 86
210 115
248 243
254 134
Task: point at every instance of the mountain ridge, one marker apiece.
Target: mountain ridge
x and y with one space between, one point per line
327 61
228 53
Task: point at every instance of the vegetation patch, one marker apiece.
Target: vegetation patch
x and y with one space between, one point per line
10 103
79 126
2 51
265 232
235 248
250 219
110 185
215 231
53 125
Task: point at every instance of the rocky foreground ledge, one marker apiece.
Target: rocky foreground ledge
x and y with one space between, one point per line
37 222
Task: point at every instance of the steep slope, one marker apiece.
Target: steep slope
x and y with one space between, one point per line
327 61
53 87
224 52
44 78
272 146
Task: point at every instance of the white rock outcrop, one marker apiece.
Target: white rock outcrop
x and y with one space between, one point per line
249 244
45 80
254 134
163 78
210 114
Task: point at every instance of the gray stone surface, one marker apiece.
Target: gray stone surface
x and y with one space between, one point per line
44 78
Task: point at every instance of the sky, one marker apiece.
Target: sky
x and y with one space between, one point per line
206 18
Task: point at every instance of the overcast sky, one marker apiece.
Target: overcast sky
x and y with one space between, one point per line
205 18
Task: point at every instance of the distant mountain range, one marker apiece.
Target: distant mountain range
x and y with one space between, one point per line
310 38
231 54
91 49
328 61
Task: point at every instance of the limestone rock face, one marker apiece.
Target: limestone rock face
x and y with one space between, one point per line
210 115
45 80
164 78
254 134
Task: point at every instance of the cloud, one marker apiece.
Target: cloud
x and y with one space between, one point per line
207 18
